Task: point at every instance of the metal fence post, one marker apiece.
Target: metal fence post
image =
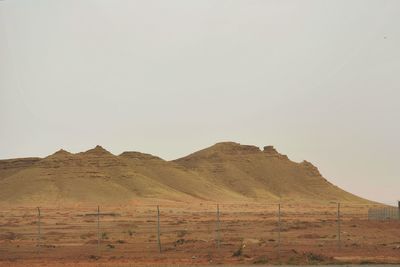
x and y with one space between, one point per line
218 227
398 211
158 229
38 230
279 229
98 231
338 225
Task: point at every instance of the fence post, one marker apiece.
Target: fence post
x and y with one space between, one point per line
279 229
98 231
398 211
218 227
39 230
338 225
158 229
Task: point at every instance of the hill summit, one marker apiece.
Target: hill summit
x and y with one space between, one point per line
226 171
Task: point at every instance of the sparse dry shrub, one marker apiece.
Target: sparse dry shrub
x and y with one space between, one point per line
104 235
314 258
239 252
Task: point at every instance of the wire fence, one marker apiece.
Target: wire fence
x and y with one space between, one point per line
384 213
203 231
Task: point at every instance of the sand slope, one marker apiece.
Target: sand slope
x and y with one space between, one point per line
224 172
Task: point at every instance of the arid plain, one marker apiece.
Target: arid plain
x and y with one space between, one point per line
189 234
247 184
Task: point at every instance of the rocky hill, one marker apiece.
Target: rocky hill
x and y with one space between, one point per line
262 174
224 172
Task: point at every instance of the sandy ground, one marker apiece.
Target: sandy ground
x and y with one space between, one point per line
189 235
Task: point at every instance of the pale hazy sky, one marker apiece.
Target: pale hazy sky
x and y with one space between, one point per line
319 80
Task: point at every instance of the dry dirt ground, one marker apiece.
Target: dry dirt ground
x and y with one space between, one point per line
247 233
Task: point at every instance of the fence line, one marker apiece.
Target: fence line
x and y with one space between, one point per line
383 213
120 224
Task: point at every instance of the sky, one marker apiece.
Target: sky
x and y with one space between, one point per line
319 80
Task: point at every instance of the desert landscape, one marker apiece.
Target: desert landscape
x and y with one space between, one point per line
226 204
203 132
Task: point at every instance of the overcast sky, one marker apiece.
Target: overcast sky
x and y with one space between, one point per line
319 80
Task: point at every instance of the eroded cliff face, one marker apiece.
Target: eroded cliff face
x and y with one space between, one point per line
271 151
310 168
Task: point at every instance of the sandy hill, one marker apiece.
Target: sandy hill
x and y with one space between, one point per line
224 172
262 174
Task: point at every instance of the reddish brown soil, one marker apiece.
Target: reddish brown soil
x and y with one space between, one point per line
188 235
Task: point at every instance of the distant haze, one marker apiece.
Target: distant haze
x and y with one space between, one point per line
319 80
